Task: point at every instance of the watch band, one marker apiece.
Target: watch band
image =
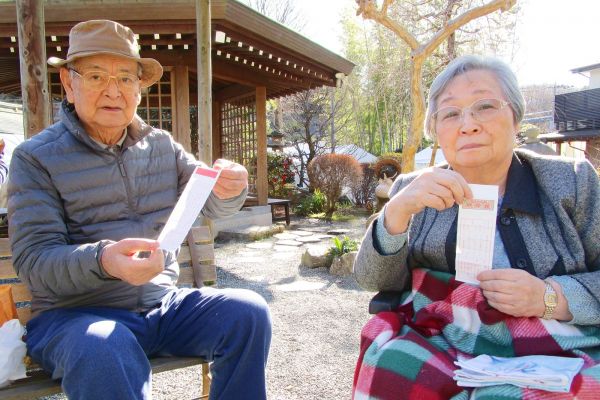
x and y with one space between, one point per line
550 301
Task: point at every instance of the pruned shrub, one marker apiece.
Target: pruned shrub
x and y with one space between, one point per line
330 173
364 191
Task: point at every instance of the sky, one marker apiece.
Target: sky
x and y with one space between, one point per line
553 36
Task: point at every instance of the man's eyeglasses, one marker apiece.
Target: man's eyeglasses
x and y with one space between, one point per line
98 80
482 110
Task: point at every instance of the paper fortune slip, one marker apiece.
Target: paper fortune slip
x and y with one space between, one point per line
476 232
188 207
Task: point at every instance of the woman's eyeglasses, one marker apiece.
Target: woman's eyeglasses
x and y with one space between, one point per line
98 80
483 110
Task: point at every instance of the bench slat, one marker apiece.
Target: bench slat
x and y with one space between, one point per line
20 292
205 273
202 234
205 253
6 269
5 248
40 384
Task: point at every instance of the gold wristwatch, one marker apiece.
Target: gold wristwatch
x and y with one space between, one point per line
550 301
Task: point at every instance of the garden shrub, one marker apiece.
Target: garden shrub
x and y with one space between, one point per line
342 246
279 174
330 173
313 204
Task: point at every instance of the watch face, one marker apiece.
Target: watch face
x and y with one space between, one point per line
550 299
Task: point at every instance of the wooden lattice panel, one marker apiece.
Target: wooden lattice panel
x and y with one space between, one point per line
57 92
156 106
238 137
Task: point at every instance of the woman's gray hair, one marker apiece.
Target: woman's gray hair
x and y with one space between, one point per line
506 79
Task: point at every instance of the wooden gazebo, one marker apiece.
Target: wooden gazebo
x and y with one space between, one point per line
252 59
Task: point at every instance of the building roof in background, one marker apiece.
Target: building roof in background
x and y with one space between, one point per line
423 157
11 127
570 136
586 68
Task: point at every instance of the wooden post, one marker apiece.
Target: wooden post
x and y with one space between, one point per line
262 188
203 38
182 110
434 149
34 73
216 126
332 122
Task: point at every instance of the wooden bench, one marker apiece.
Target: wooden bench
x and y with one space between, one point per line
197 268
276 206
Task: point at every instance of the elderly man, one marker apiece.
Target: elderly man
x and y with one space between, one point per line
89 193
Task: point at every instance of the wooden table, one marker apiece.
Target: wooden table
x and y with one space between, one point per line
275 204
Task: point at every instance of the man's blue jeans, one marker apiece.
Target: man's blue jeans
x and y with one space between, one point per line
102 353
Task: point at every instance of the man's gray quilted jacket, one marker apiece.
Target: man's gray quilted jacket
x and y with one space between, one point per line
68 195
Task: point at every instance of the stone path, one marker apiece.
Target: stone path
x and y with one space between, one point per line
297 238
308 245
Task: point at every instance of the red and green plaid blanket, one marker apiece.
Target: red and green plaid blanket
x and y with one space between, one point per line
409 353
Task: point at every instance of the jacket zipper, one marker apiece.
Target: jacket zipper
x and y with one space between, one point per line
121 165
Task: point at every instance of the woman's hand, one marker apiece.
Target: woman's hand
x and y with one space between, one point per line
518 293
436 188
513 291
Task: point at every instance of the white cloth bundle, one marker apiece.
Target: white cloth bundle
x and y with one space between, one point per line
12 351
550 373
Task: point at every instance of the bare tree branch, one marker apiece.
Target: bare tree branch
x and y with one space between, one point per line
420 52
464 18
368 9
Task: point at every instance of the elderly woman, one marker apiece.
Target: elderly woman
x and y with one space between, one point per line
546 250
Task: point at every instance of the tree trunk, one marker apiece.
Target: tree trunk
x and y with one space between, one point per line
417 98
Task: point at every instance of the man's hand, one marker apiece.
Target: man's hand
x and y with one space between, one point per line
232 181
120 260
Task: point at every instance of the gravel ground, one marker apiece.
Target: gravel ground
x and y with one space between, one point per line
317 318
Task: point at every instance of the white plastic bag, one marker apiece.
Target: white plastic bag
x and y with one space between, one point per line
12 351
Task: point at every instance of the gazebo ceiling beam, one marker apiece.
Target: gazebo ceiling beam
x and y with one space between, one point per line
249 38
230 71
258 53
139 27
239 73
283 65
253 62
59 12
234 92
63 42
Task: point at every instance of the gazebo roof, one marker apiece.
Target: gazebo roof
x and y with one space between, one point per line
248 49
